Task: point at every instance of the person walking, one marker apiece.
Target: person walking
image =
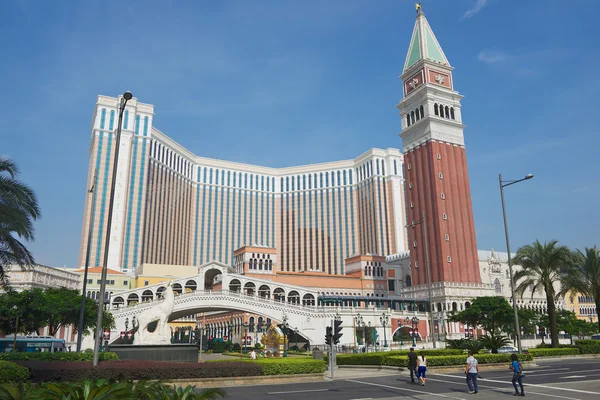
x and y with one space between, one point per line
422 370
517 369
471 371
412 364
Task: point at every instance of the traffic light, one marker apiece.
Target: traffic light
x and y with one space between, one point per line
328 336
337 333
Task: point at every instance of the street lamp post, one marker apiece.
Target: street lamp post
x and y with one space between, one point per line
503 184
245 325
415 330
427 273
359 321
230 332
16 327
263 328
284 326
111 201
126 330
384 321
199 330
87 266
400 326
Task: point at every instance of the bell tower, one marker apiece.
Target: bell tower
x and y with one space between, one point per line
437 180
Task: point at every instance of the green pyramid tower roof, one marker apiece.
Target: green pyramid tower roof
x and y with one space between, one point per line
424 45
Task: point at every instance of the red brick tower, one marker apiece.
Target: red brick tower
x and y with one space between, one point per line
435 164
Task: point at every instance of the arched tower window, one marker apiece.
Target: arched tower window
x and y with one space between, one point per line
412 117
447 112
435 109
408 281
407 120
497 286
452 112
422 113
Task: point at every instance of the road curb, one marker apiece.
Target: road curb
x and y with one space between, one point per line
248 380
371 367
546 358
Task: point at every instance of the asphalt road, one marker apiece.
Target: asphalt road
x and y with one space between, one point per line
569 379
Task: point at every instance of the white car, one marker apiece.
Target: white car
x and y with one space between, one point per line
508 349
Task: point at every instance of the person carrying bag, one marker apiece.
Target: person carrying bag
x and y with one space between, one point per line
518 374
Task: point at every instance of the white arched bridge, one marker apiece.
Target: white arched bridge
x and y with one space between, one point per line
217 289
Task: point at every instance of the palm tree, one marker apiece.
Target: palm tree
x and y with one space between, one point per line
18 208
493 342
584 278
543 265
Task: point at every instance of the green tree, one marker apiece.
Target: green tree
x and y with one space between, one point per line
542 267
529 320
491 313
494 341
567 321
54 308
27 305
18 209
584 278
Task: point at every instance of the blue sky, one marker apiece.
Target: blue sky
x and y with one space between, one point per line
260 81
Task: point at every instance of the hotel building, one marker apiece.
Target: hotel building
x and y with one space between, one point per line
172 207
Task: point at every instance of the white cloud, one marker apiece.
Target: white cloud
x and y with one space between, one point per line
491 57
479 4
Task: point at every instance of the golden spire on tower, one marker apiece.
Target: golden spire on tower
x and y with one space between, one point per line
418 7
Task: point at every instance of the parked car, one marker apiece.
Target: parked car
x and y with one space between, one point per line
510 350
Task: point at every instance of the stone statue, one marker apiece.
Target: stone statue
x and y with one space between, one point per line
159 313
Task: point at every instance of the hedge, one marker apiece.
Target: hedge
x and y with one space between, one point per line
588 346
553 352
137 370
58 356
430 352
393 359
436 361
549 346
360 359
274 366
11 372
379 358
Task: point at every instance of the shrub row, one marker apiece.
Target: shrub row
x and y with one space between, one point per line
136 370
291 366
59 356
429 352
551 352
588 346
11 372
396 360
549 346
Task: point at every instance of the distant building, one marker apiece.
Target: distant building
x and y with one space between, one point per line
40 276
116 282
494 270
583 306
44 277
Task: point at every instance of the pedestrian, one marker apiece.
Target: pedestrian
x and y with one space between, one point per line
472 371
412 364
422 370
517 369
253 355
